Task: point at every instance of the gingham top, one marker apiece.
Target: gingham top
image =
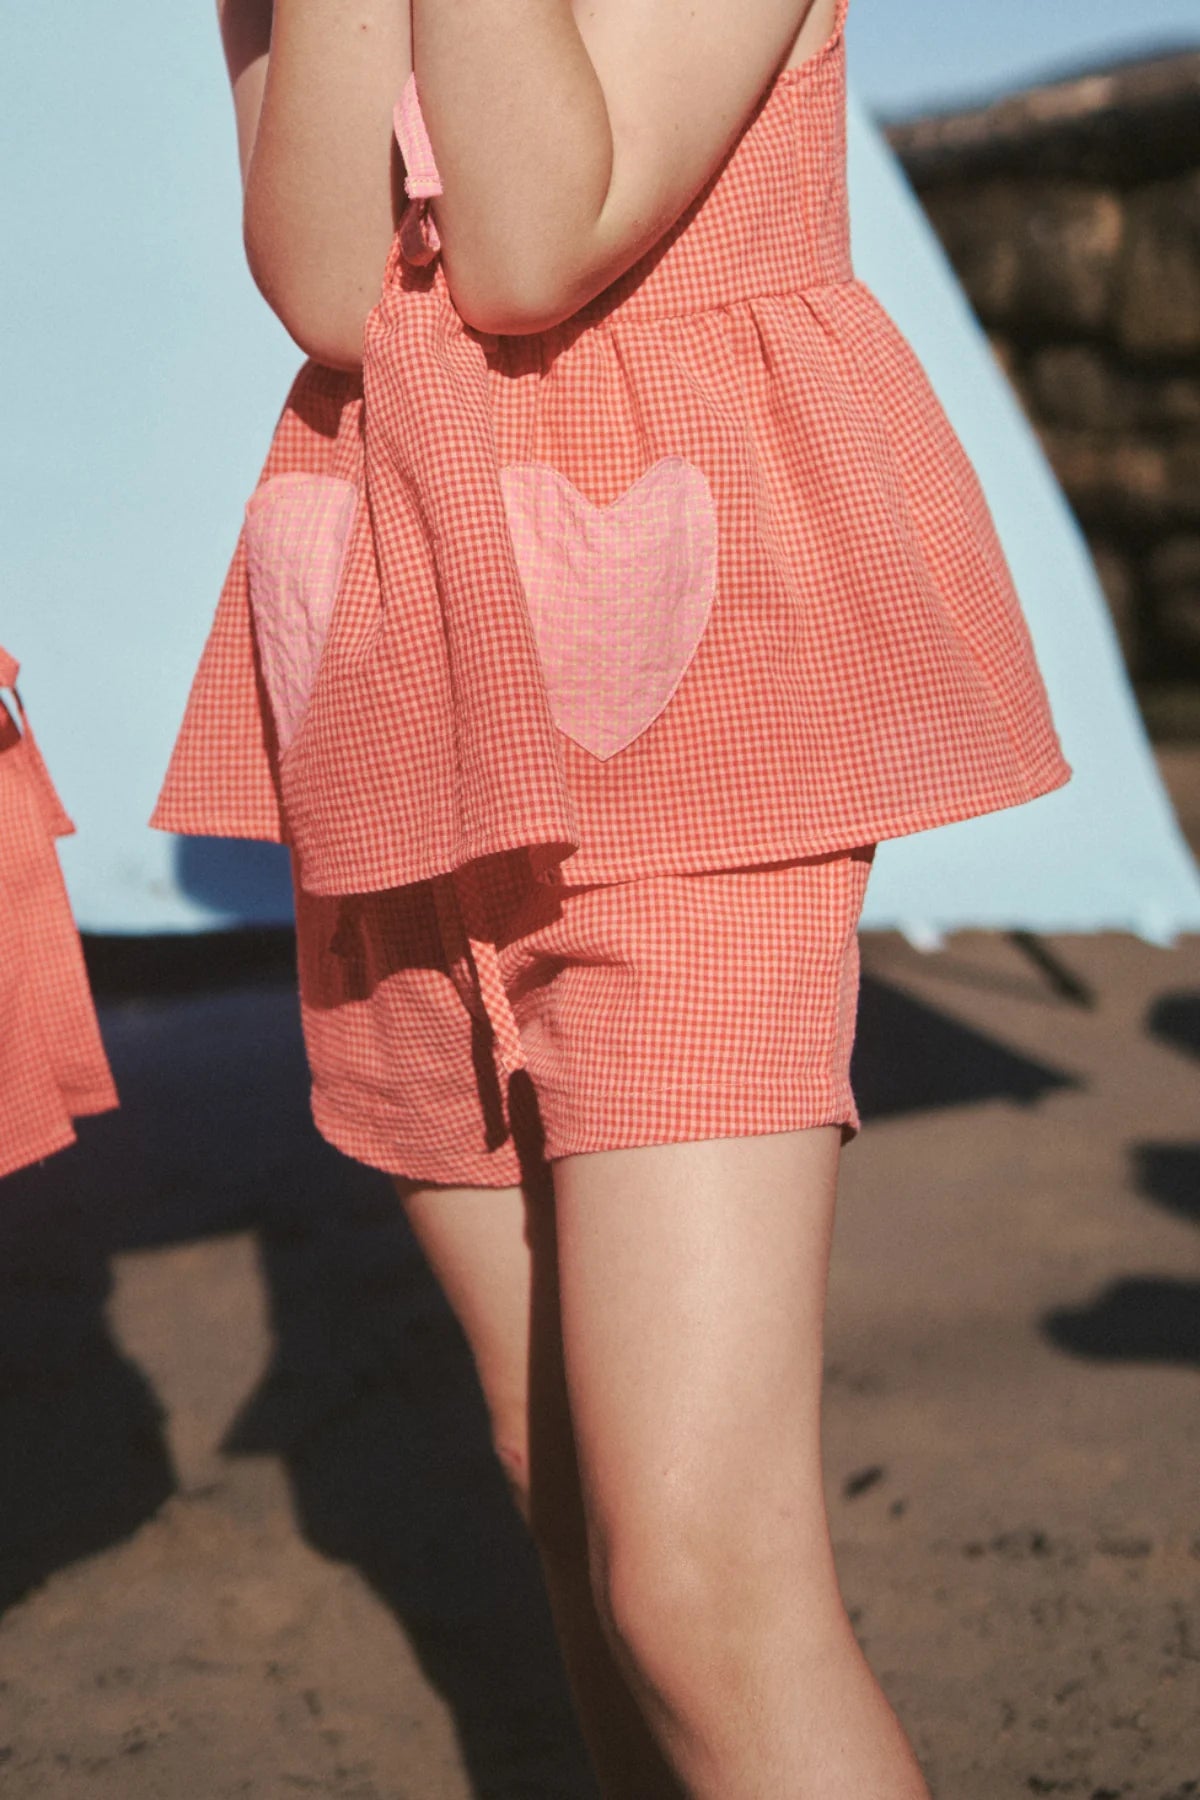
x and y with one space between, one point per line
700 578
52 1063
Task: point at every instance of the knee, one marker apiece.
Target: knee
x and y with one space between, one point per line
679 1585
651 1588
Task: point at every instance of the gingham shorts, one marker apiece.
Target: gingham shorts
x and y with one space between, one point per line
461 1029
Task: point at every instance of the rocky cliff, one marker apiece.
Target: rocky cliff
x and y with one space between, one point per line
1071 212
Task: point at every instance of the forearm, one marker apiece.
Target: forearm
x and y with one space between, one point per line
521 130
320 205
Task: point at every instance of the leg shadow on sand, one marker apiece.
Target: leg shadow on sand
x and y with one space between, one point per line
1149 1318
370 1400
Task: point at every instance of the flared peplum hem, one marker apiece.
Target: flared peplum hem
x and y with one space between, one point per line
53 1069
701 578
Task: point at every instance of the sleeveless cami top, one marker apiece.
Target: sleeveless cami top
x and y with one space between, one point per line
700 578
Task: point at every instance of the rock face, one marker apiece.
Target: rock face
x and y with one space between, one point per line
1071 212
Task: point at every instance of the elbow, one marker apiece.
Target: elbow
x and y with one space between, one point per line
326 325
515 302
531 283
329 335
503 314
336 344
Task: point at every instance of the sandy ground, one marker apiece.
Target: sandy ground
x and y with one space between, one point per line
252 1542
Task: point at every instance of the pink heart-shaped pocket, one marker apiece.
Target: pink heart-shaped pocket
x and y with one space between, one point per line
297 530
618 595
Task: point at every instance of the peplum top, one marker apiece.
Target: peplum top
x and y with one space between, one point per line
701 577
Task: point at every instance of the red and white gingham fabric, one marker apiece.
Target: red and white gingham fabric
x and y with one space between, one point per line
864 669
652 1011
52 1063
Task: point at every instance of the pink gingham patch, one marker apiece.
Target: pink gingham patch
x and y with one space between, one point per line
419 240
297 528
618 595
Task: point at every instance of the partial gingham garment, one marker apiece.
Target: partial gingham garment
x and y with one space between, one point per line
52 1063
644 1012
700 578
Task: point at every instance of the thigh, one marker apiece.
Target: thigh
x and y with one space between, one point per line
693 1281
477 1244
493 1251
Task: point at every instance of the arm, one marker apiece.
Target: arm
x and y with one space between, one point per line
569 140
320 177
246 39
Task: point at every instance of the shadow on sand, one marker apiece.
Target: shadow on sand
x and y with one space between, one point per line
1149 1318
370 1400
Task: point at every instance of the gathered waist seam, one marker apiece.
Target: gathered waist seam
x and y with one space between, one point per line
619 319
717 306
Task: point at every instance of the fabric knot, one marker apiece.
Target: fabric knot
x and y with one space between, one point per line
466 934
419 240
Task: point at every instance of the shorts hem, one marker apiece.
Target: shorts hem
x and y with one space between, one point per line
559 1145
364 1143
501 1168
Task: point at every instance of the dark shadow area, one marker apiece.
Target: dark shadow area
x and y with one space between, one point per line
154 969
955 968
84 1461
908 1057
371 1400
1142 1318
1169 1174
1147 1318
1175 1019
372 1403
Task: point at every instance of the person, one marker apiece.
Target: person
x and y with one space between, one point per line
613 585
53 1067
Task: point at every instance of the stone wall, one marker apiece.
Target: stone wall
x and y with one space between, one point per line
1072 214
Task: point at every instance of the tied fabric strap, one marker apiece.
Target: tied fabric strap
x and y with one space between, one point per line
419 240
463 920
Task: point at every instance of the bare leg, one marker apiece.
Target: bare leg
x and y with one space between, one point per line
493 1251
692 1281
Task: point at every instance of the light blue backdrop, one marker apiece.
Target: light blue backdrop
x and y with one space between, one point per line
143 379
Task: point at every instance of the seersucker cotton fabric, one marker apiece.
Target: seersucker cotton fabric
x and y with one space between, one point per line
698 579
53 1069
655 1011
